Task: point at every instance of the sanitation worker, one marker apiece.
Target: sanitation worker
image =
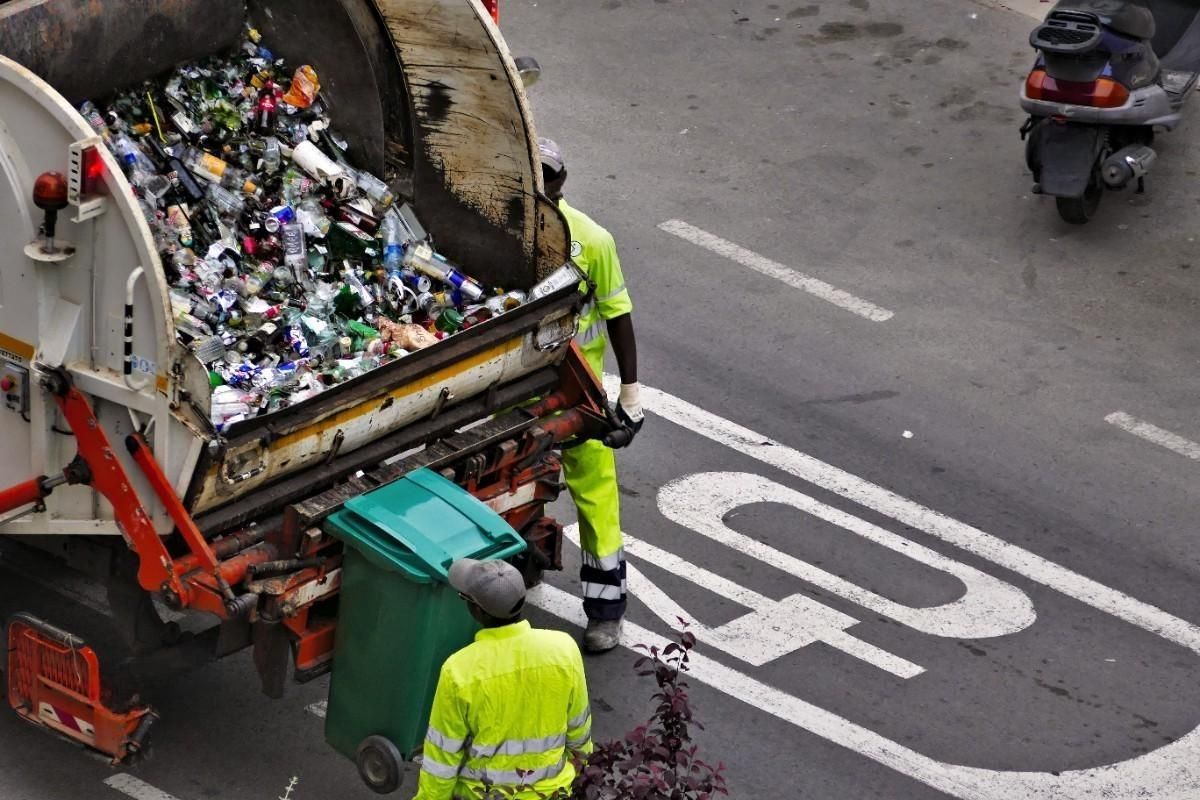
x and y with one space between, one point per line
591 469
510 708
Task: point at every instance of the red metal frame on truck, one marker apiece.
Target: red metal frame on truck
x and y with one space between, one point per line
286 573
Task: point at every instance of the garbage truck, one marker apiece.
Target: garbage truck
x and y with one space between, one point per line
111 462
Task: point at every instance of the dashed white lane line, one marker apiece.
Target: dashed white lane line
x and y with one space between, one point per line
137 789
318 710
764 265
1155 434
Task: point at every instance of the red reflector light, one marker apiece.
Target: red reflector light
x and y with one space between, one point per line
493 8
93 165
93 171
1100 93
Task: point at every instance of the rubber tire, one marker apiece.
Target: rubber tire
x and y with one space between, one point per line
380 764
1079 210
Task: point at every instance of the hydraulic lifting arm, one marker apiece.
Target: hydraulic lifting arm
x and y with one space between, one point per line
198 580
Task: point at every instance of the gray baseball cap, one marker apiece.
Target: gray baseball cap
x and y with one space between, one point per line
495 586
551 153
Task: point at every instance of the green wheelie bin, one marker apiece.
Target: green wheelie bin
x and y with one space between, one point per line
398 618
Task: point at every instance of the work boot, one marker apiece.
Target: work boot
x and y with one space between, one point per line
602 635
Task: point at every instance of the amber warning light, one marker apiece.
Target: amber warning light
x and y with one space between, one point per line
50 195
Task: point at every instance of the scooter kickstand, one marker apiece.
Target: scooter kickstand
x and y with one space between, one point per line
1141 185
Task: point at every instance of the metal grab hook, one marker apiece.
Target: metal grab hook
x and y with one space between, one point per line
137 384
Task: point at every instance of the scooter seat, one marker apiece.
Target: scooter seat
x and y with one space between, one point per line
1121 16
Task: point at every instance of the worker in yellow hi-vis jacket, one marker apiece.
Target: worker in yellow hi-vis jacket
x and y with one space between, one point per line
591 468
511 708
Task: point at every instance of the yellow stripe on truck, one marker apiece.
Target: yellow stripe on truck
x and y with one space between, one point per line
369 406
16 346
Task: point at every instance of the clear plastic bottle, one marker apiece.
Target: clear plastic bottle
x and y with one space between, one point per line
379 192
133 159
356 284
190 326
219 172
272 156
393 245
311 215
96 120
226 202
296 186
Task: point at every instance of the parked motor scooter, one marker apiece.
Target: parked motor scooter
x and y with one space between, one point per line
1109 75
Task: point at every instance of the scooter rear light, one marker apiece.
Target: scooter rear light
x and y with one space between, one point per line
1100 93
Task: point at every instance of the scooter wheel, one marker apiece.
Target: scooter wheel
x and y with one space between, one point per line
1078 210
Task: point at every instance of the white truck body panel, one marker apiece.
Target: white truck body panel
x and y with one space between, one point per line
71 313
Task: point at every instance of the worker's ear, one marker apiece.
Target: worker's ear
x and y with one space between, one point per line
477 613
554 183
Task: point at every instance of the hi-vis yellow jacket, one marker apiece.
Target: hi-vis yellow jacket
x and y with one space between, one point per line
508 712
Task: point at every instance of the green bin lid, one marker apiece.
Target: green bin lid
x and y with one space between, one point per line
420 524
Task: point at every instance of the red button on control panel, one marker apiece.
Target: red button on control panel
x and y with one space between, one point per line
7 384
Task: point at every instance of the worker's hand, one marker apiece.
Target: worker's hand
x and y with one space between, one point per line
629 408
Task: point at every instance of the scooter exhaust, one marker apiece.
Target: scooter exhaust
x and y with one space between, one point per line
1127 164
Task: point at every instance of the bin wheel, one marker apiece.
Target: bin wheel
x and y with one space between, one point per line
379 764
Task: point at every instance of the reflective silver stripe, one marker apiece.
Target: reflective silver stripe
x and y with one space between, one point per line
514 778
583 729
518 747
442 741
583 718
608 563
602 591
590 335
439 770
611 294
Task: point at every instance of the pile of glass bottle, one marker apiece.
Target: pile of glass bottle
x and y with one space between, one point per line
290 270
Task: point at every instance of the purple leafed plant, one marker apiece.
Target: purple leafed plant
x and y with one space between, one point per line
658 760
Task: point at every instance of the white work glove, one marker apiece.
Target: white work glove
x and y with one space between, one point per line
629 406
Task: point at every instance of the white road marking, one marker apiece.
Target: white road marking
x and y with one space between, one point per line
774 630
934 523
1171 772
774 269
1155 434
138 789
1168 773
988 607
318 709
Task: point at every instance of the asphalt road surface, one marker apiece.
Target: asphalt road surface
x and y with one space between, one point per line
920 459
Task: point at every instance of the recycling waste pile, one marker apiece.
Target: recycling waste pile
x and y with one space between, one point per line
290 270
